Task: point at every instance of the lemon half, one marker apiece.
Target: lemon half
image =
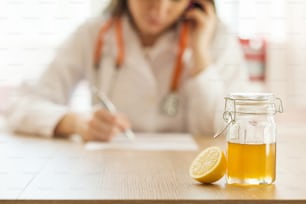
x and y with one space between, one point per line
209 166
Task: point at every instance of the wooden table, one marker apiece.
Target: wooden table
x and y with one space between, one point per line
37 170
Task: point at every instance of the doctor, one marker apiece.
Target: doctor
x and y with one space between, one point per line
165 64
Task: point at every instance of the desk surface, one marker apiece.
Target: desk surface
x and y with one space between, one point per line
38 169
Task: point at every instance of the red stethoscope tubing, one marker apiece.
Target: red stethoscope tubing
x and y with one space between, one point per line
117 23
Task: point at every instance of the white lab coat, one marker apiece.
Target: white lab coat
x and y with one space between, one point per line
140 86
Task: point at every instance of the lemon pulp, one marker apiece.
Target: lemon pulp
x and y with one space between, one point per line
209 166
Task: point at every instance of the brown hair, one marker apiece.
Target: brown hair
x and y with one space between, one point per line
119 7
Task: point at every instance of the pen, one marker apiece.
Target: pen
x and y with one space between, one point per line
111 108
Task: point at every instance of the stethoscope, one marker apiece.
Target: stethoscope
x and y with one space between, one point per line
170 104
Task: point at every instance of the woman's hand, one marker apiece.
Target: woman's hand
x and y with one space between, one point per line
203 24
100 125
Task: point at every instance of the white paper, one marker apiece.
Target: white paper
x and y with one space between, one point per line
148 142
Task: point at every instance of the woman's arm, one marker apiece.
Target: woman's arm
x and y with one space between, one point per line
218 68
43 108
205 91
43 104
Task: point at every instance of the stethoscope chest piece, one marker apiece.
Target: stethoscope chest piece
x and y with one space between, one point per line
170 104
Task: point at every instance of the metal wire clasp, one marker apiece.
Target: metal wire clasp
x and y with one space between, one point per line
228 116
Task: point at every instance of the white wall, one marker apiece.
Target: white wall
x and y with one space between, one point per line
31 30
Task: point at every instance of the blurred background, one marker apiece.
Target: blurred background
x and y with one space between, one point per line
272 34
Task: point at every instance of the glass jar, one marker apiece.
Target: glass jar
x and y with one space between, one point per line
251 137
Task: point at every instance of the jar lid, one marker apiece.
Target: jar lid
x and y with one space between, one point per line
252 96
253 103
